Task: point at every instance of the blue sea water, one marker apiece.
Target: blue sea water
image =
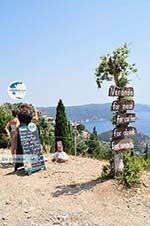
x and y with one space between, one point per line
142 124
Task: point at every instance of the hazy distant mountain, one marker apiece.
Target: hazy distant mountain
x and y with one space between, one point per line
90 111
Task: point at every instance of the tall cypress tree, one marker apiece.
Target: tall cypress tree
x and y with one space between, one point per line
146 152
95 132
62 129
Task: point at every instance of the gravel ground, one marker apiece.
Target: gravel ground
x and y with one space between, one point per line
70 194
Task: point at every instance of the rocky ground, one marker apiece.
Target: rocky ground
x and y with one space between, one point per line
70 194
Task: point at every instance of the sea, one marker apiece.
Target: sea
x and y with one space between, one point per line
142 124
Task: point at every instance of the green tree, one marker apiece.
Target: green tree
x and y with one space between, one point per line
115 68
95 132
80 128
46 132
81 147
146 152
4 118
63 131
97 149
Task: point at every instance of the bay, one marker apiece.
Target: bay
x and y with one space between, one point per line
142 124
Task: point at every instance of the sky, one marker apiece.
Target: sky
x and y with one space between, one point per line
53 46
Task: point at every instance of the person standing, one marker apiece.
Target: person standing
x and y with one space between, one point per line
25 116
12 131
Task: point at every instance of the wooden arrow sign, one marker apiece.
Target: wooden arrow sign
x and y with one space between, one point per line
125 118
115 91
122 132
122 105
118 145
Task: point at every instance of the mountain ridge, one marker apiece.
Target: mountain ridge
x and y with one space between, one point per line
90 111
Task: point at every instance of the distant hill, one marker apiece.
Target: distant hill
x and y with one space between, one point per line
140 140
90 111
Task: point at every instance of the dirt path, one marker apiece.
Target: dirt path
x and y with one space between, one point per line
71 194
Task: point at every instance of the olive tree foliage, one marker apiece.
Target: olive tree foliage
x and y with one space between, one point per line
4 118
115 67
46 133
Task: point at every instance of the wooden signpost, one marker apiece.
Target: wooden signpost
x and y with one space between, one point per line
125 118
115 91
115 67
122 106
122 144
122 132
32 150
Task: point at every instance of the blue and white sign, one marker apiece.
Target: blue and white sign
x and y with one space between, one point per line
17 90
32 127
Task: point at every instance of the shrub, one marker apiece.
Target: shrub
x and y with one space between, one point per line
147 164
81 128
133 166
4 118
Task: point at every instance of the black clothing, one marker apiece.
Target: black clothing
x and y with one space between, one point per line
24 119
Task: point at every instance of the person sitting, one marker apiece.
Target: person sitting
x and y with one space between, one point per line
60 156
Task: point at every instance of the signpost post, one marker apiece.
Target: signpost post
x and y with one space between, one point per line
122 132
115 67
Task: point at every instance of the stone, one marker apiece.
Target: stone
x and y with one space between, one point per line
28 217
26 211
47 219
23 202
3 218
8 202
139 192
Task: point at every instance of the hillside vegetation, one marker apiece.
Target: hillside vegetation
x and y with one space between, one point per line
140 141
